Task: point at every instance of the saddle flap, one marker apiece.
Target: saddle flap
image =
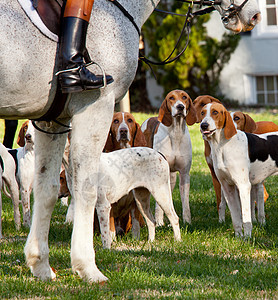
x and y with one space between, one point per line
50 13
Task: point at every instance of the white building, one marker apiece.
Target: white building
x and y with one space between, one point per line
251 76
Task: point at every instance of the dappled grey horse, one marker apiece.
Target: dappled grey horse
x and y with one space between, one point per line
27 87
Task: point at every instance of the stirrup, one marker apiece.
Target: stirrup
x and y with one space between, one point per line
86 65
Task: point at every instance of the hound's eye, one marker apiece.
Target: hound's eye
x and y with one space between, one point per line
183 97
215 112
202 113
129 120
116 121
236 118
172 98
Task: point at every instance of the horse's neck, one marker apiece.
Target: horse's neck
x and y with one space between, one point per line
140 10
150 6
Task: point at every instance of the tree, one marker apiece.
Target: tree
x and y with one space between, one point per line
197 71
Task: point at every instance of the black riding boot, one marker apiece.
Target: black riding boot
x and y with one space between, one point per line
74 77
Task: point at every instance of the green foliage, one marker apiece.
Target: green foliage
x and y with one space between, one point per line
198 69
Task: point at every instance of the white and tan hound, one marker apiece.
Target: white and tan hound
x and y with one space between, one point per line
7 171
125 132
141 171
169 135
199 103
240 160
242 122
24 158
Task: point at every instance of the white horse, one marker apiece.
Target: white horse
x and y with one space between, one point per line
27 85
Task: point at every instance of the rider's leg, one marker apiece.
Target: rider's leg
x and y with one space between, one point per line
74 76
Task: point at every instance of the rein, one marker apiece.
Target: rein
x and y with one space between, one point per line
230 12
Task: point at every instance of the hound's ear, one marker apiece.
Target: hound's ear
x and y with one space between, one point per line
109 146
212 99
191 117
20 139
229 129
250 124
139 138
164 114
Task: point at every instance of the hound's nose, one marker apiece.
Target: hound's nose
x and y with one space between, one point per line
180 107
28 136
123 133
204 126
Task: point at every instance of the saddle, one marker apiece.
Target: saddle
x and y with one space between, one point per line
50 13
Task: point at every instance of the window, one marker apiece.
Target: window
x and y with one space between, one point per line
267 90
271 13
268 27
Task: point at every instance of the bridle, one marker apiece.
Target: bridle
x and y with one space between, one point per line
231 11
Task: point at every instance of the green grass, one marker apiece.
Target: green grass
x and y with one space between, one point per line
209 263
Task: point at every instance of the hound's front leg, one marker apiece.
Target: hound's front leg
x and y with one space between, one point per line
257 196
25 201
245 200
232 199
103 208
48 158
222 207
142 198
159 214
184 192
90 129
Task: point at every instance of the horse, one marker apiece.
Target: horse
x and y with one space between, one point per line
28 84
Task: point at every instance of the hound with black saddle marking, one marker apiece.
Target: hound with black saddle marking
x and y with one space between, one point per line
240 160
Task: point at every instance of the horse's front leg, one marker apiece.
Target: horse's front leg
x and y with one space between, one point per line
48 159
89 133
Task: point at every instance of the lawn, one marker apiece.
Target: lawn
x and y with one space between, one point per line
209 263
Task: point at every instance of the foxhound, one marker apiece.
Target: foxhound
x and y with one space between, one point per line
24 158
169 135
125 132
7 170
141 170
199 103
240 160
259 194
245 123
242 122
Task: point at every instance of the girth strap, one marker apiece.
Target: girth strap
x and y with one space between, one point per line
2 163
57 106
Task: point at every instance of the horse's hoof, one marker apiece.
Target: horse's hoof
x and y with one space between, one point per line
91 274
